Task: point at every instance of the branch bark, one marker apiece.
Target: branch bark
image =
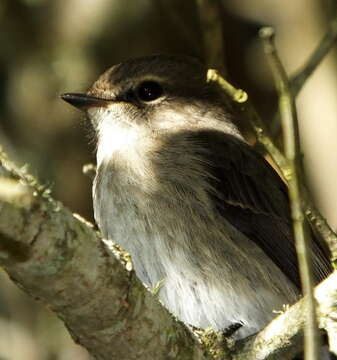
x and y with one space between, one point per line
282 338
58 259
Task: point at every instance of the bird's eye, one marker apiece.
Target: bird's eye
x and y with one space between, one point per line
149 91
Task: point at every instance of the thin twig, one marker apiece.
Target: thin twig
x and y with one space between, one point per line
294 179
237 95
262 137
320 224
209 14
298 79
296 83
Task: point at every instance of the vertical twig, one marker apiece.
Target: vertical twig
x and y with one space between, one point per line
209 14
292 153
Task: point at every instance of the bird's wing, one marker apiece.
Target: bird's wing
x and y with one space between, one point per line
251 196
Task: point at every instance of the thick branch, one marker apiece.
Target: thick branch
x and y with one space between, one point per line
57 258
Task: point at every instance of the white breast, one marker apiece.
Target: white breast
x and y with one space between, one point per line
114 134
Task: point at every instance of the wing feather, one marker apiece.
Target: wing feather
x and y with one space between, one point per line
249 194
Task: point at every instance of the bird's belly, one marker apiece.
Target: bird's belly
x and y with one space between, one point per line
214 290
219 304
211 274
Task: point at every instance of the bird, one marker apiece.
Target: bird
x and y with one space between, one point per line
199 210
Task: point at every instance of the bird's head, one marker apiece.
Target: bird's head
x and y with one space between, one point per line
150 96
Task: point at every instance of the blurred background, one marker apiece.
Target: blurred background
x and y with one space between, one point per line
54 46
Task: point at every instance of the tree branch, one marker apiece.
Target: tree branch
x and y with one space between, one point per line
282 338
57 258
294 179
298 79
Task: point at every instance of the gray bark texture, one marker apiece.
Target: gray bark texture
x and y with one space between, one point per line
58 259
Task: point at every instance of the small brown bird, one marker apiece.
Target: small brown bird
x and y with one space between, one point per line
181 190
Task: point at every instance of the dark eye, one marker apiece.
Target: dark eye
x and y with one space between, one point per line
149 91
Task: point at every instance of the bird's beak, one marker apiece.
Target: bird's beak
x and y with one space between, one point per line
83 101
